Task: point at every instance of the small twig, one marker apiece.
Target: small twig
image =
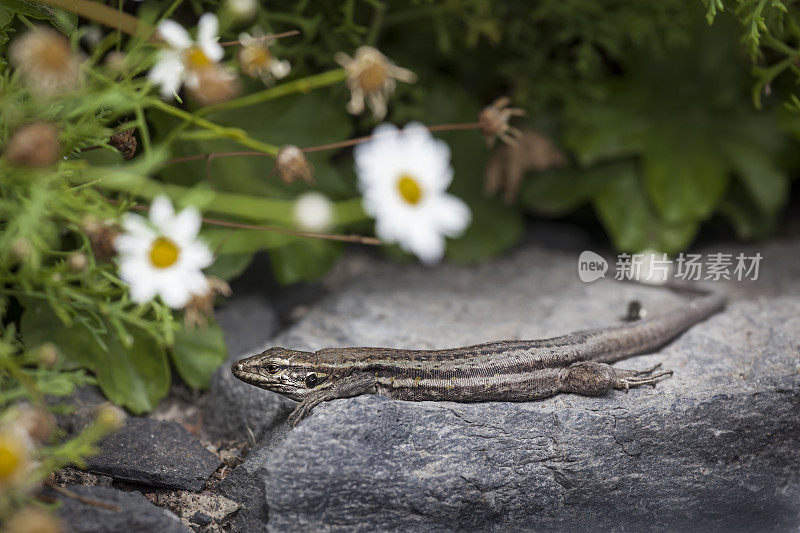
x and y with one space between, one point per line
321 147
264 37
360 239
83 499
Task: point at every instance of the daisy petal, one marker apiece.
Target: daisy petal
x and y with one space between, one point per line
168 74
184 226
175 35
174 292
452 215
162 213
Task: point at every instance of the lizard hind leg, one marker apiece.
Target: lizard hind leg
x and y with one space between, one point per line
594 379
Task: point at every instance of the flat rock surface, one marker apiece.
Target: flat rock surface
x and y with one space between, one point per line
133 514
713 447
155 453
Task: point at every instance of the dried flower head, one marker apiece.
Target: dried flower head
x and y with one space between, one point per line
201 307
291 164
33 145
46 62
101 237
508 164
37 422
33 520
215 84
257 61
371 77
117 62
494 122
125 142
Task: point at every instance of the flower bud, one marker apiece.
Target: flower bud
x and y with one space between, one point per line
110 417
313 212
48 355
77 261
291 164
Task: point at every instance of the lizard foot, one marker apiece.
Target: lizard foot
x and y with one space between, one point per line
636 378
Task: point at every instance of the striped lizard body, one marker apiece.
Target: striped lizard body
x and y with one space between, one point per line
513 370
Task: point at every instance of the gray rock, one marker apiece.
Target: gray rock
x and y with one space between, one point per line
713 447
134 513
155 453
247 320
233 410
245 486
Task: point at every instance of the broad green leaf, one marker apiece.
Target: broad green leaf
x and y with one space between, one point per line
748 220
197 353
304 260
135 377
555 193
229 266
760 174
495 228
684 175
64 21
631 221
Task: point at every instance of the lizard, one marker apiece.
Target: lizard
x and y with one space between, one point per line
506 370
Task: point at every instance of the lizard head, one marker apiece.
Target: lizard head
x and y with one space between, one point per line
287 372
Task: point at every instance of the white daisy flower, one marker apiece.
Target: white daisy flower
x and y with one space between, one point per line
403 176
184 60
163 257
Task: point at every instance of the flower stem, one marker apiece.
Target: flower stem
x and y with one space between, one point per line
303 85
236 134
103 14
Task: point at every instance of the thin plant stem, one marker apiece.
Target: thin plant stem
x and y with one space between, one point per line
302 85
289 33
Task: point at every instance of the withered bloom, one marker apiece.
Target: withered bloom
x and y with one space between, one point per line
494 122
33 145
371 77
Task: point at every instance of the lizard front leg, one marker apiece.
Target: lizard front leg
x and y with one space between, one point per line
353 385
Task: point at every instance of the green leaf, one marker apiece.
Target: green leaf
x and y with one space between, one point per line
555 193
631 222
197 353
64 21
495 228
229 266
135 377
304 260
757 170
684 176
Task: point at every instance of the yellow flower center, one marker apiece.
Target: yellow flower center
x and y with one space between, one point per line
195 59
372 77
257 56
410 190
164 253
12 453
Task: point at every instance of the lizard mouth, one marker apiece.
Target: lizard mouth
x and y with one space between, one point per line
271 383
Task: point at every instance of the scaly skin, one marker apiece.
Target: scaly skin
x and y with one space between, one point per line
495 371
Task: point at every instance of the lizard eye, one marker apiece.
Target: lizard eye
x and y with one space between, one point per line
311 381
273 369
